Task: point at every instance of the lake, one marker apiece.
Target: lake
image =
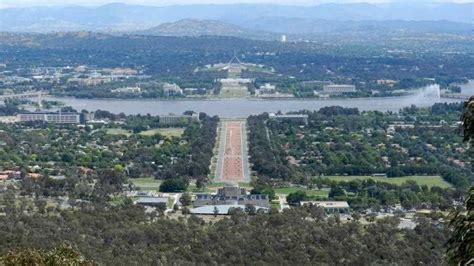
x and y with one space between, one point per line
234 108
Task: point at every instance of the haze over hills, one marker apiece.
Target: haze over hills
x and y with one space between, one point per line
199 27
305 26
122 17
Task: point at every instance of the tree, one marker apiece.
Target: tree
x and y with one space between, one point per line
336 192
356 216
62 255
461 243
250 209
264 190
174 185
468 120
295 198
118 168
185 199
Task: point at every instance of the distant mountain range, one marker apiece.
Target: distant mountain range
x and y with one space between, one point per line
240 19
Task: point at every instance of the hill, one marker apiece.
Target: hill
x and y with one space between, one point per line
198 27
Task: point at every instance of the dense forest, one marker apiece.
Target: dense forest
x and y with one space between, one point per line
119 235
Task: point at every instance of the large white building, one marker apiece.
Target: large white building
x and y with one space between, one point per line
59 118
338 89
171 89
171 119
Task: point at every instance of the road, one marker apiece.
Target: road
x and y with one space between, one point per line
232 162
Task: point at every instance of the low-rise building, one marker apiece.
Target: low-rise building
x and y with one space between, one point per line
389 82
222 209
172 120
339 89
51 117
267 88
171 90
231 196
330 207
192 91
297 118
127 90
152 201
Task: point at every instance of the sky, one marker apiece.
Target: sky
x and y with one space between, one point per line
27 3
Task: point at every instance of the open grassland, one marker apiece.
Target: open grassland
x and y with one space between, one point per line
309 192
167 132
233 93
119 131
146 183
430 181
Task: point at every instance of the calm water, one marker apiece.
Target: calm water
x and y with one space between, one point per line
233 108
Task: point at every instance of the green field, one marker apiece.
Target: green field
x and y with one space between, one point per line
167 132
146 183
420 180
233 93
309 192
118 131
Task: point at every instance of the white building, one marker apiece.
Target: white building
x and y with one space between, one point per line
267 88
338 89
60 118
172 89
171 119
127 90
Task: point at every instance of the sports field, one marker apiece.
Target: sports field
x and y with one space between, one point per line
420 180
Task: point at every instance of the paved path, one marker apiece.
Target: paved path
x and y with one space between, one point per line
232 161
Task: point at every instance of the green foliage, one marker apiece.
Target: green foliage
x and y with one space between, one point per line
461 244
127 235
295 198
468 120
337 193
264 189
62 255
185 199
345 142
174 185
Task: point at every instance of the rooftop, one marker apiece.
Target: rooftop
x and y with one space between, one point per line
151 200
327 204
222 209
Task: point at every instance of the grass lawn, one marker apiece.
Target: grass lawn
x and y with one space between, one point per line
309 192
167 132
146 183
233 93
420 180
118 131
